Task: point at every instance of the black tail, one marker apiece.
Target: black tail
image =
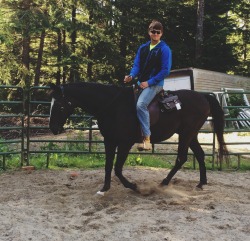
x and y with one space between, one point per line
218 124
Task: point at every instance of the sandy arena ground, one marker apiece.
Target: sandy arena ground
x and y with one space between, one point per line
49 206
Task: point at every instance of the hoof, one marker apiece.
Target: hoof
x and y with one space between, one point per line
164 182
100 193
105 188
134 187
200 185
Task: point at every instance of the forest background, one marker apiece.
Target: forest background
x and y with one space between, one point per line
96 40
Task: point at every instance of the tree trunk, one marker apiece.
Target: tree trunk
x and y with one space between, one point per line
90 50
26 52
245 36
64 53
199 29
90 64
26 59
59 56
123 46
74 74
39 59
26 45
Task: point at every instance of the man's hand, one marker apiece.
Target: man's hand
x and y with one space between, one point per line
144 85
127 78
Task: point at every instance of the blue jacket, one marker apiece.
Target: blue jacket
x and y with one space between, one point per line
152 65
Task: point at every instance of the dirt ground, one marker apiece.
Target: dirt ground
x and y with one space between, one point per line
49 206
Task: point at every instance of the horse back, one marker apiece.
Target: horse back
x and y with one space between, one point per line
194 111
192 102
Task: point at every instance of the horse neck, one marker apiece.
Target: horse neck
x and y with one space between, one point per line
92 97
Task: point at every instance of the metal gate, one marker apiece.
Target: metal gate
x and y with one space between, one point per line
12 124
31 118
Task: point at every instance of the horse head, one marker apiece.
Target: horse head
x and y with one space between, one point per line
61 108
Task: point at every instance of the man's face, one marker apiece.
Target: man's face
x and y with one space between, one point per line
155 35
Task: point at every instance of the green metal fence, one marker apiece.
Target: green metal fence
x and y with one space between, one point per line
12 136
82 135
39 138
239 123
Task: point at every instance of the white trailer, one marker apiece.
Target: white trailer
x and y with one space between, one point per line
210 81
204 80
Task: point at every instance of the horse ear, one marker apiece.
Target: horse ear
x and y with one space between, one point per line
56 91
52 86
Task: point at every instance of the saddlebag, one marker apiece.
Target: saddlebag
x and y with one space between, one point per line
169 102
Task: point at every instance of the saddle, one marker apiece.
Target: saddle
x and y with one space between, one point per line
164 102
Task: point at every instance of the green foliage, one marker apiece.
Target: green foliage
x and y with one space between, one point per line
107 36
235 100
4 147
135 160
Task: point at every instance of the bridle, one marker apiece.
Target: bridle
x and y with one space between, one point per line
61 104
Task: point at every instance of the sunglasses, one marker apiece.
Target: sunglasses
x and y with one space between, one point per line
155 31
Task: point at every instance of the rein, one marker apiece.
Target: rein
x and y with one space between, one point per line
62 89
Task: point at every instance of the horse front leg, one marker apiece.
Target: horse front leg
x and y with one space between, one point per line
110 155
122 155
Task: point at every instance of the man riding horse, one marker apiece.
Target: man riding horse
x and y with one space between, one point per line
151 65
117 117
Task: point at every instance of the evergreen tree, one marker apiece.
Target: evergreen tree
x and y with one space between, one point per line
96 40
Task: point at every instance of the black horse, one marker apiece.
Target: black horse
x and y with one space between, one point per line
114 108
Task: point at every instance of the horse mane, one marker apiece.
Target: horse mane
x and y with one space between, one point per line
102 96
108 90
93 85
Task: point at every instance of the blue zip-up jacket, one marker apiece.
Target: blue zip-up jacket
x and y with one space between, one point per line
152 65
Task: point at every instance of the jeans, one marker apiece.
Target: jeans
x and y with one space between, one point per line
146 96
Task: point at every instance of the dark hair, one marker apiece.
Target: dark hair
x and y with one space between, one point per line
155 25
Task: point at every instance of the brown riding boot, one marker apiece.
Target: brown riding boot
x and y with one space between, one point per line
146 145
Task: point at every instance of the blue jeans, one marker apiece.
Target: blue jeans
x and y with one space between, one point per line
146 96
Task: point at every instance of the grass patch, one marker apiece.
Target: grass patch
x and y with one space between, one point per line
68 161
85 161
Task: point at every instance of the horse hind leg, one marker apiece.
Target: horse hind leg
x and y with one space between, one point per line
200 156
